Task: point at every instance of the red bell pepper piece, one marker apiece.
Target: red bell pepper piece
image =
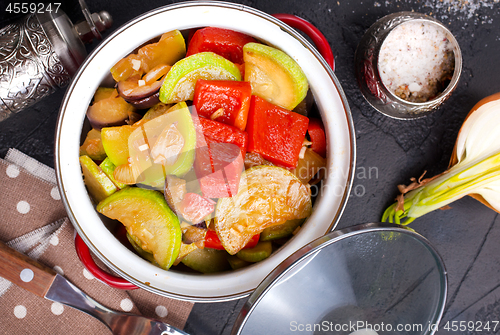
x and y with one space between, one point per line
213 241
222 178
275 133
224 42
233 97
219 158
223 133
317 136
195 208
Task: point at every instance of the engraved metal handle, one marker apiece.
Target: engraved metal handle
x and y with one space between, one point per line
29 67
40 52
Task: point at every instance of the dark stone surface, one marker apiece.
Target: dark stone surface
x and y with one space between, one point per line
466 236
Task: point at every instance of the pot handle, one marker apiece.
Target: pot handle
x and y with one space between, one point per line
83 253
316 36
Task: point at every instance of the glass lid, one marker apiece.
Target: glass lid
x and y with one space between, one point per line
368 279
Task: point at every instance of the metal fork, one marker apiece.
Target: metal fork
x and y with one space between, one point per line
46 283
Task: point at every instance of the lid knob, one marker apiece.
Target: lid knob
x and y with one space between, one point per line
99 22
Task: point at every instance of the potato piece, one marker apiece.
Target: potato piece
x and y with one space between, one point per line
268 196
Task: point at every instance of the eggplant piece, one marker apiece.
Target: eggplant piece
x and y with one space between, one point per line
146 95
130 89
304 107
193 234
109 112
141 97
174 192
146 102
190 206
254 159
194 207
202 224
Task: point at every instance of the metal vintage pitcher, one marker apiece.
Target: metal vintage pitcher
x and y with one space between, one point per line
40 52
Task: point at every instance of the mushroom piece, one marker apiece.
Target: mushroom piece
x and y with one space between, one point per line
136 89
146 102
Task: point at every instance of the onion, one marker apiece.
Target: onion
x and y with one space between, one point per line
474 169
156 73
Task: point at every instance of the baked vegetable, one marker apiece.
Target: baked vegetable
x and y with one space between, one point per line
148 219
268 196
220 156
274 75
275 133
181 79
224 101
224 42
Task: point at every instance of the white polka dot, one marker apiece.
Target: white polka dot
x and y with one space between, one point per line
27 275
59 270
87 274
12 171
126 305
54 240
20 311
57 308
23 207
54 193
161 311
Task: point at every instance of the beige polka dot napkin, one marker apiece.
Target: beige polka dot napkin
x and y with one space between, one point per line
33 221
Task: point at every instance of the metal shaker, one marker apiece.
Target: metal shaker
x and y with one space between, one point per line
40 52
